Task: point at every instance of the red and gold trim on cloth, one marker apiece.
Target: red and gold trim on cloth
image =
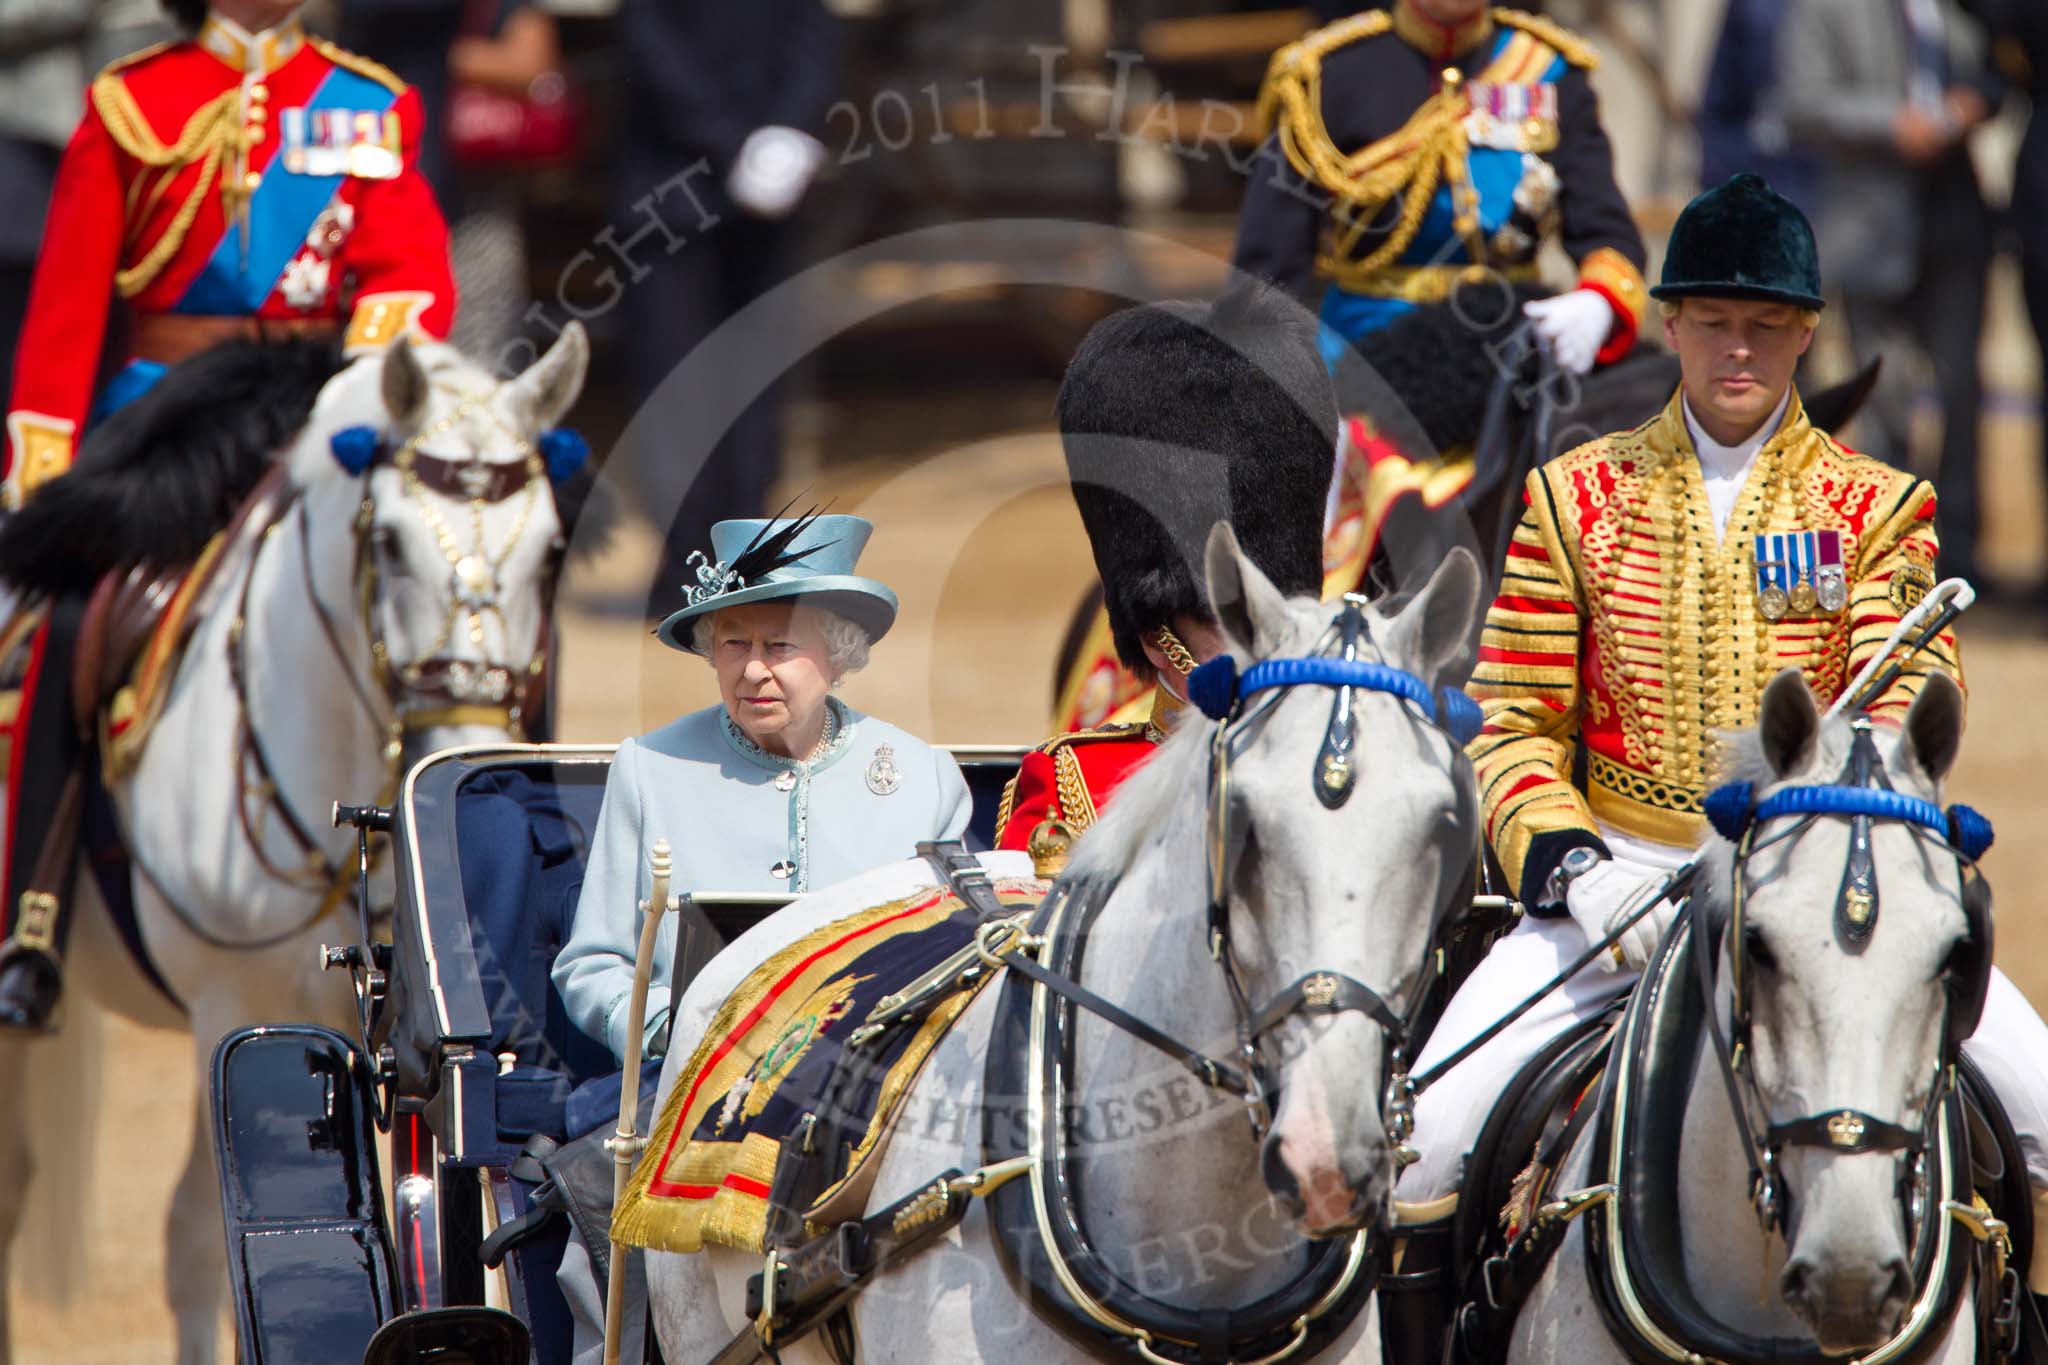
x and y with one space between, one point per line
686 1192
1623 624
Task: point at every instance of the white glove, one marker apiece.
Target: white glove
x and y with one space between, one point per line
1602 898
774 168
1572 327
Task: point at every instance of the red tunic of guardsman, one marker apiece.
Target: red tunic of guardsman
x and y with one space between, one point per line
1063 784
231 185
1174 417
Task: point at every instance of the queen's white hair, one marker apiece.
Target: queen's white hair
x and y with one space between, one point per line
846 642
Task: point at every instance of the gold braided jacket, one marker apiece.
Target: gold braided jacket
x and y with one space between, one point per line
1622 624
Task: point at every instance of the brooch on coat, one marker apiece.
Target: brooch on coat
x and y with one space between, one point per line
884 776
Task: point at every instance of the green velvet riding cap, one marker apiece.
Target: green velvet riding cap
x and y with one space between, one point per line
1742 240
776 558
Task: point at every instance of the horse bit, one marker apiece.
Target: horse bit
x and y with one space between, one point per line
1863 794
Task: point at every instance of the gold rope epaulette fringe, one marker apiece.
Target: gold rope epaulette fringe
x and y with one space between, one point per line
207 137
135 58
361 65
1112 730
1303 58
1412 162
1547 30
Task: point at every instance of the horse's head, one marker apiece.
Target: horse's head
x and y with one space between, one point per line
1349 824
445 497
1852 967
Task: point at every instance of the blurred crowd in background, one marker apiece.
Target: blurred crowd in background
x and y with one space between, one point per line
588 154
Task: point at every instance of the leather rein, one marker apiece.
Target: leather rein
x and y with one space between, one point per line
1037 1218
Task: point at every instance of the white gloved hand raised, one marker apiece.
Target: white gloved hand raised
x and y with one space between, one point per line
1602 898
1572 326
774 168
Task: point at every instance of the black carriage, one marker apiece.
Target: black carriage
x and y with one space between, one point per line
464 1054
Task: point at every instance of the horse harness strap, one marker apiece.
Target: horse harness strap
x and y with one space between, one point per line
800 1290
1219 1075
1863 794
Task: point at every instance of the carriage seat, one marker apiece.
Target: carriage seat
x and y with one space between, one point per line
522 846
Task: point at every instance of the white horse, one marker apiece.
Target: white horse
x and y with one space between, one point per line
363 632
1831 1030
1182 1198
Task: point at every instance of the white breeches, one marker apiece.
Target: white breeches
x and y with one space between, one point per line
2010 1046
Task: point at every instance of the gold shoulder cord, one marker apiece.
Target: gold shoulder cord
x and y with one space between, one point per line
207 137
1412 162
362 66
1549 32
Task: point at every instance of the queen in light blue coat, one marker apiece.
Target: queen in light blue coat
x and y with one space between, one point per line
781 787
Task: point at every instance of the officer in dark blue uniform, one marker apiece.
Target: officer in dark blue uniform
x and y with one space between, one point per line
738 90
1417 148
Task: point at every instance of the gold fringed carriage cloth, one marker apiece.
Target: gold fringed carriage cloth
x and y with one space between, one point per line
762 1065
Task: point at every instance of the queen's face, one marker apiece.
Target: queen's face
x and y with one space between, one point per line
775 670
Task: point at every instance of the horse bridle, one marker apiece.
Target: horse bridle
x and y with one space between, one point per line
1863 795
436 689
423 693
1220 692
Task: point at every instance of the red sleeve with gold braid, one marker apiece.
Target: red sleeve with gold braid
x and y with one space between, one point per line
1897 570
58 355
1527 683
1028 800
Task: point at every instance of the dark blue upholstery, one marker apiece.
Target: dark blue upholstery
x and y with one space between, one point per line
523 844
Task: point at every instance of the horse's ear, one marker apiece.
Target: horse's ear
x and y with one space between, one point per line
1787 722
1433 634
551 384
405 383
1934 725
1251 611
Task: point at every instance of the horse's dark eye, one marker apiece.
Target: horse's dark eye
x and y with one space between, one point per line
1756 950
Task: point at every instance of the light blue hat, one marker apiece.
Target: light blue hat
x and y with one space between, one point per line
763 559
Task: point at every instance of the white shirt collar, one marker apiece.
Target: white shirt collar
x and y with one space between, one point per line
1722 460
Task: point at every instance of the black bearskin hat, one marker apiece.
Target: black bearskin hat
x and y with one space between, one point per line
1175 416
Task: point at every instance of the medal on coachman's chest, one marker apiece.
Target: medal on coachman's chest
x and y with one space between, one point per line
1799 572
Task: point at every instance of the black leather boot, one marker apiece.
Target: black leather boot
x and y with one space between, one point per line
30 984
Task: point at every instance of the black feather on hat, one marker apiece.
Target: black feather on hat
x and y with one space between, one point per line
1175 416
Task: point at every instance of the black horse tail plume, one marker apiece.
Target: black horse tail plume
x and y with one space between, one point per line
154 481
